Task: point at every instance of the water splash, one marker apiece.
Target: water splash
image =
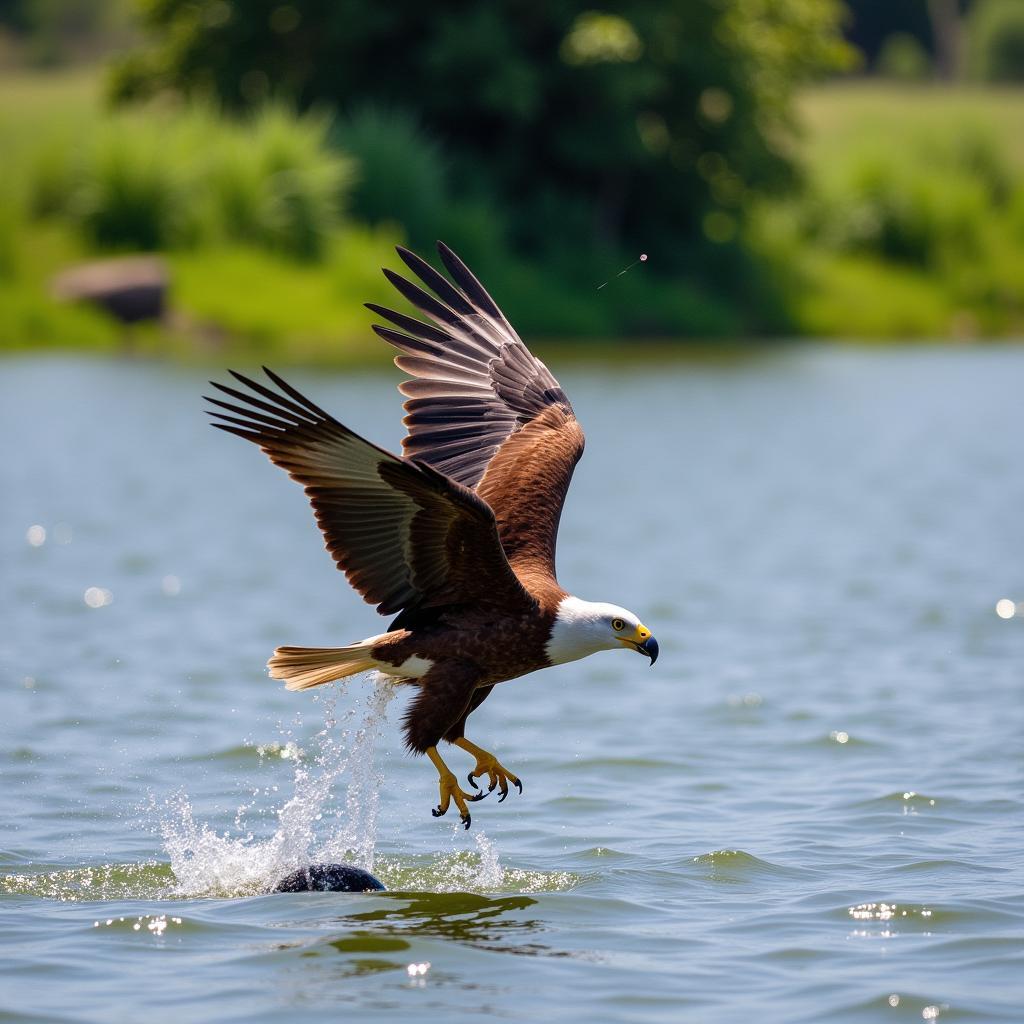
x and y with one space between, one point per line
205 862
314 826
356 841
468 871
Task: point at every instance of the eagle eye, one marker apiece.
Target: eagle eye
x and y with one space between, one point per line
618 624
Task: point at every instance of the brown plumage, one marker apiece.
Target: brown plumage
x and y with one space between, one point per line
458 536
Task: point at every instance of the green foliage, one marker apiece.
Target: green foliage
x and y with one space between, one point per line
854 297
911 222
563 300
996 36
921 239
922 209
270 304
402 171
904 214
159 179
649 128
903 58
30 319
51 174
127 193
9 234
301 182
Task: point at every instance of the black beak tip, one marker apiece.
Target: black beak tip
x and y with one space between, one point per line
650 648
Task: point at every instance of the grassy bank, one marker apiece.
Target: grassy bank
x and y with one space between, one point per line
910 224
840 119
260 259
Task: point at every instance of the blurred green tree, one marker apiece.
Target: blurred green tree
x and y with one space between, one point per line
648 126
996 31
903 58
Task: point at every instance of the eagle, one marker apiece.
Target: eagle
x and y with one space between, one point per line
455 537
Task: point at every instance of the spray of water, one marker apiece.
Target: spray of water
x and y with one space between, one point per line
313 826
206 862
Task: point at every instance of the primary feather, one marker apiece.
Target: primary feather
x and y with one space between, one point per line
481 408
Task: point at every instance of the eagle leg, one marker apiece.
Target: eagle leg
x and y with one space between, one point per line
450 790
487 764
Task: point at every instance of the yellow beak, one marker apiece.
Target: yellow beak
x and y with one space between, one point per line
642 641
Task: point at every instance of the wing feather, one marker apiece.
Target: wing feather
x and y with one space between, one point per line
480 407
405 535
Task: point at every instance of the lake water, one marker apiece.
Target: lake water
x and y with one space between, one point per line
808 810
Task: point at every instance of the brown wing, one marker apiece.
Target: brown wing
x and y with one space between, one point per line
405 535
482 409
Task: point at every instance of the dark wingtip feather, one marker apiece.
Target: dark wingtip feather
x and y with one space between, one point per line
416 264
438 283
242 379
247 434
394 277
422 300
299 397
470 285
418 329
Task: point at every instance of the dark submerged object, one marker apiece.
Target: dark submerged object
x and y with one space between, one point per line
329 878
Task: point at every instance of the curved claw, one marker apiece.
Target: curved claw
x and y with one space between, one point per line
466 821
452 794
498 776
505 792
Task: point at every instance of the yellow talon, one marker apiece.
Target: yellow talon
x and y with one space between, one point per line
487 764
450 790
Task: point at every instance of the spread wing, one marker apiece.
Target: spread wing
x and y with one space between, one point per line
482 409
405 535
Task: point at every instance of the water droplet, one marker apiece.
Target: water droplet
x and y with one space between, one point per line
98 597
36 535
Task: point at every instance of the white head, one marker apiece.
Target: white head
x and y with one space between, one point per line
586 627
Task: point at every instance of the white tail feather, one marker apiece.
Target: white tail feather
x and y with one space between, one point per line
305 667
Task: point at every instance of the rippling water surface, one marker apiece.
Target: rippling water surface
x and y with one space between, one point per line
809 810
